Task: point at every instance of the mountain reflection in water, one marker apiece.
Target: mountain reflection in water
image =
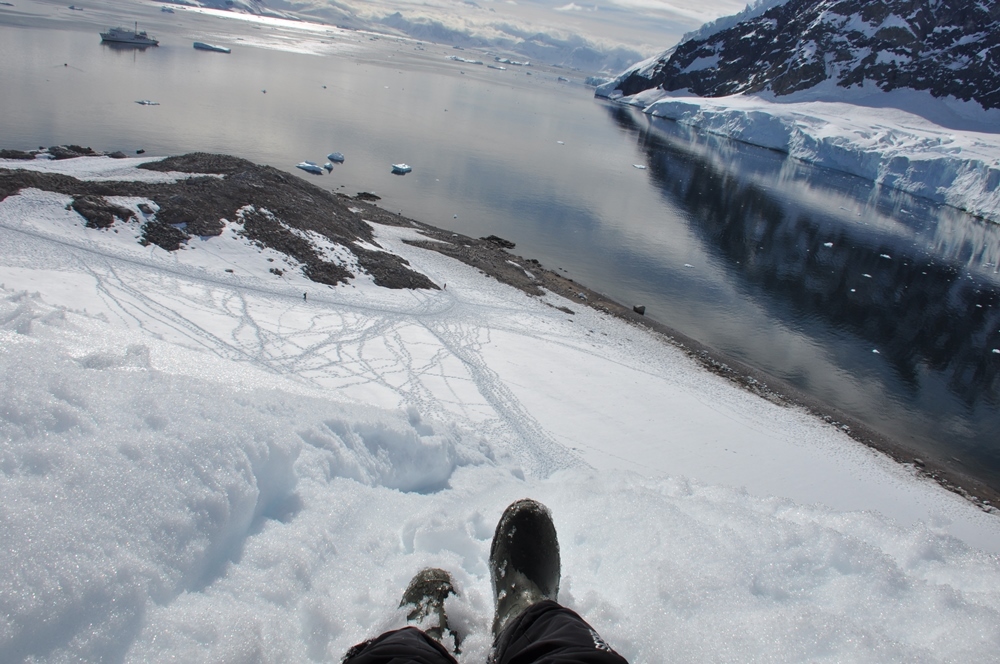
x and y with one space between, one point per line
915 283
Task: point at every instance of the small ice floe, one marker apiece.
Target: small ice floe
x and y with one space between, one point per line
641 167
996 351
979 306
328 166
561 142
401 169
854 290
885 256
336 157
875 350
496 67
202 46
310 167
562 79
828 244
147 102
688 265
866 275
167 10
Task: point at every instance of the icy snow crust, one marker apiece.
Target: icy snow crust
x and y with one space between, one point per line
944 150
200 465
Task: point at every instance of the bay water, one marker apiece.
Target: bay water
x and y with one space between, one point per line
884 306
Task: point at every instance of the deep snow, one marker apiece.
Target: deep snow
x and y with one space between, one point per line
200 465
945 150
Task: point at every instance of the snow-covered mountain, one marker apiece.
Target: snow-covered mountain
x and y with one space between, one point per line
945 48
905 93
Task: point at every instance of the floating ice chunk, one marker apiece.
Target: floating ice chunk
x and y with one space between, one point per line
336 157
202 46
875 350
465 60
328 166
866 275
310 167
828 244
561 142
885 256
641 167
688 265
147 102
401 169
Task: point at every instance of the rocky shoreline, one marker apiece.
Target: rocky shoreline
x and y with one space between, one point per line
276 208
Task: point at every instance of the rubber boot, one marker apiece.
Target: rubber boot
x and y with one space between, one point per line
425 596
524 560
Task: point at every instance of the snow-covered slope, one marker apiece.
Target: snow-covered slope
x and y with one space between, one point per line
198 464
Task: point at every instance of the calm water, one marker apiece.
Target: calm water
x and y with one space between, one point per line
724 242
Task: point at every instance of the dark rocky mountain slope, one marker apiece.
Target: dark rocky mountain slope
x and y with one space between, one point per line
946 47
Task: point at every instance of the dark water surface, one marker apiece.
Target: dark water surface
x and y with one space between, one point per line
724 242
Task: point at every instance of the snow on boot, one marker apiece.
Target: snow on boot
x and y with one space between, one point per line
524 560
425 595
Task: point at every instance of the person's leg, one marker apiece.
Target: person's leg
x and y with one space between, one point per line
547 633
529 626
402 645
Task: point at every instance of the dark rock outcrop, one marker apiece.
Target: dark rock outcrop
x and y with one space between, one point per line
945 48
98 212
276 211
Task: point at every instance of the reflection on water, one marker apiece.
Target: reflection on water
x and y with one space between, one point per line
841 260
118 46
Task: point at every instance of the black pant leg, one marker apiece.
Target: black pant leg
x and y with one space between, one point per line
402 646
547 633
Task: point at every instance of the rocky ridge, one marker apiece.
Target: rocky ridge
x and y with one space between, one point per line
276 210
945 48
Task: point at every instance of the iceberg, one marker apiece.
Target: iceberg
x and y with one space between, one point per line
336 157
310 167
202 46
401 169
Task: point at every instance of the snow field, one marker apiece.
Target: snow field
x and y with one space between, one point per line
199 465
